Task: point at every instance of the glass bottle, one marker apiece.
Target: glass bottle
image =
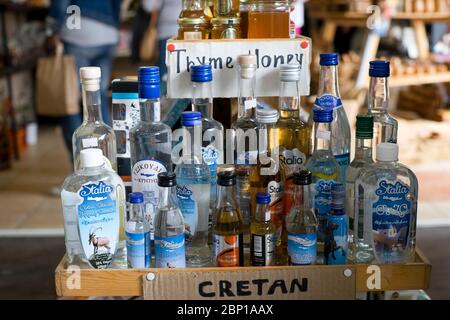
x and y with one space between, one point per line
262 230
170 249
226 8
269 19
93 132
328 97
228 231
226 28
244 9
193 191
194 20
301 223
389 202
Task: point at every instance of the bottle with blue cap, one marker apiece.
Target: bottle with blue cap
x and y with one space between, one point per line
324 168
193 191
150 143
328 97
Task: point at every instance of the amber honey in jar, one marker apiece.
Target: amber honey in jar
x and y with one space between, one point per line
244 8
226 8
269 19
193 29
226 28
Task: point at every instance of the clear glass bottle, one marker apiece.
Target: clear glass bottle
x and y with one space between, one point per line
269 19
93 132
150 143
228 228
328 97
226 28
137 231
301 222
363 157
389 202
226 8
193 191
170 249
92 242
194 20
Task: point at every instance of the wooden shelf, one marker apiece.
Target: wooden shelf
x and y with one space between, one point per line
411 80
360 19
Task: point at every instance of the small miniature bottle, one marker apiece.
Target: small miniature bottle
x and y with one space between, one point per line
389 201
226 8
137 231
301 223
262 233
336 230
169 226
228 228
194 20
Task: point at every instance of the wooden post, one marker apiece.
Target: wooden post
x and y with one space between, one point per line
421 38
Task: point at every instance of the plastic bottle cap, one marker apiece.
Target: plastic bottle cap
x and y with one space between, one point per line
329 59
136 197
90 78
149 82
337 196
190 118
290 72
302 178
167 179
247 59
364 127
201 73
387 152
323 115
226 178
264 115
262 198
248 65
379 69
92 157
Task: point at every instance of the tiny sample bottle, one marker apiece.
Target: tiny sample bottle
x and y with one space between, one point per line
389 201
336 230
262 233
269 19
301 223
226 8
226 28
93 132
169 226
194 20
228 228
137 231
91 240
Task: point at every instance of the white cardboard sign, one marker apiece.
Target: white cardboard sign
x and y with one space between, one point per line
222 55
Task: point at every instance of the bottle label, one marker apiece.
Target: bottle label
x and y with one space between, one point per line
302 248
170 252
138 249
327 101
228 250
211 157
250 104
294 160
322 198
391 216
188 207
275 189
98 223
343 160
336 239
262 249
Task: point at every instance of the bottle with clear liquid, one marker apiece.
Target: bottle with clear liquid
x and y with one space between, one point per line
90 241
170 249
150 143
93 132
363 157
389 202
137 230
228 228
262 230
384 125
323 166
301 223
193 191
328 97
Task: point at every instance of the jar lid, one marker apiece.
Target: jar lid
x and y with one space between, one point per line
225 21
192 21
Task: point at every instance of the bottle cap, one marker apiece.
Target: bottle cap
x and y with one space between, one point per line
364 127
92 157
247 63
136 197
149 81
226 178
387 152
329 59
337 196
190 118
167 179
302 178
90 78
323 115
262 198
290 72
264 115
379 69
201 73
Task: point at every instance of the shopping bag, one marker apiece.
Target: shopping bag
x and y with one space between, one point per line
57 91
149 43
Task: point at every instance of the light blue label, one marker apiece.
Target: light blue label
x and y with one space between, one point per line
98 223
211 156
138 249
391 215
327 101
322 199
336 239
343 160
188 207
170 252
302 248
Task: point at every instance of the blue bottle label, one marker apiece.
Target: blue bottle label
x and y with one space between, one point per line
322 198
302 248
343 160
336 239
98 223
189 209
211 157
170 252
391 216
138 249
327 101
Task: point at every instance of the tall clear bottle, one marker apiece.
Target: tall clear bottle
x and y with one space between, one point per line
328 97
363 157
93 132
389 202
150 143
193 191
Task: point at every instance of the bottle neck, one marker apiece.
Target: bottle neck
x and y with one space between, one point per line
289 105
328 81
378 95
92 111
167 196
303 196
263 213
150 110
322 134
194 4
226 196
363 149
136 212
247 99
192 144
202 100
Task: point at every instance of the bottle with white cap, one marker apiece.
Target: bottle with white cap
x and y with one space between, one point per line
93 132
389 204
93 200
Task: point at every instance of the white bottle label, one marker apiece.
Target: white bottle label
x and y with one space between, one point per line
157 111
89 143
249 104
294 160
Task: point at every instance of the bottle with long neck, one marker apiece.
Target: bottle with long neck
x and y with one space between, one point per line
93 132
328 97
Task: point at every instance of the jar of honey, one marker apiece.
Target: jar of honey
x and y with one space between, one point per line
226 8
193 29
269 19
226 28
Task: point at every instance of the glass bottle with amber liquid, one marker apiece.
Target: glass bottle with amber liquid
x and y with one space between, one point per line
194 20
269 19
